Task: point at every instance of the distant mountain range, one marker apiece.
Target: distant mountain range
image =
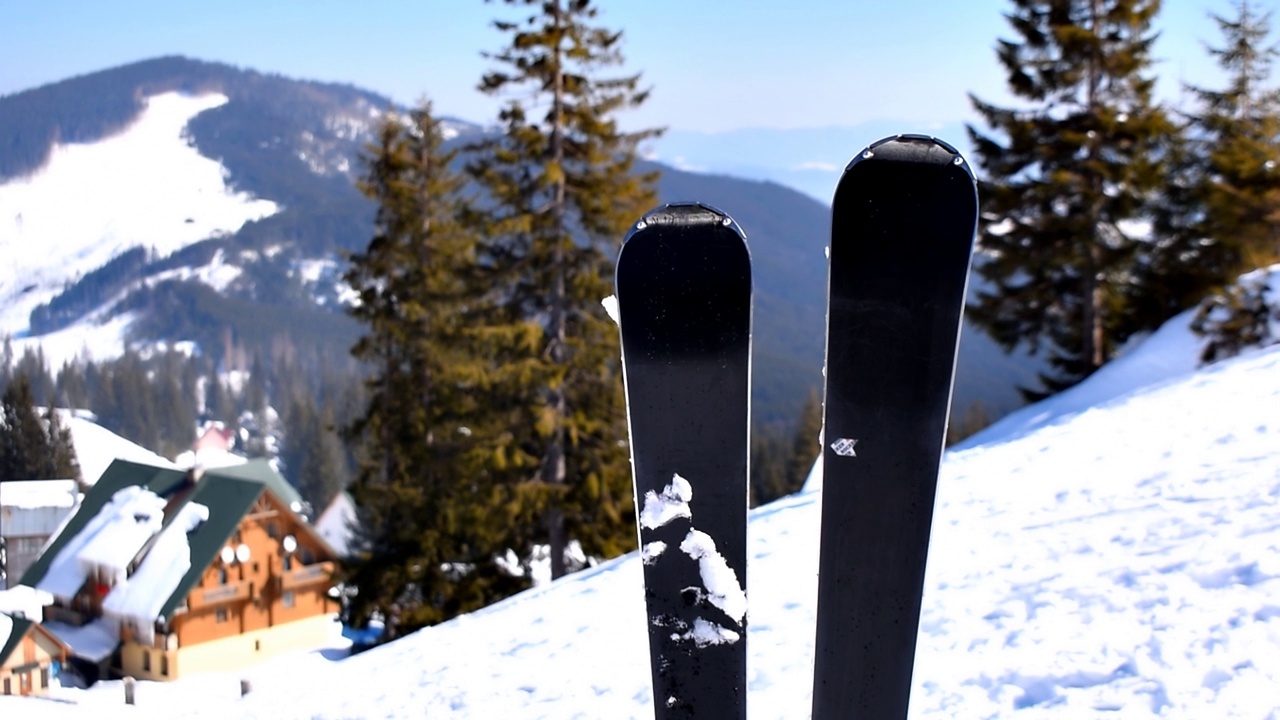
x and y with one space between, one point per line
807 159
264 280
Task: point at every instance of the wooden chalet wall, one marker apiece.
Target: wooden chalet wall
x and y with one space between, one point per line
28 668
242 612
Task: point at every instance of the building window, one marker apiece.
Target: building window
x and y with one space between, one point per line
146 661
8 690
222 576
44 676
273 530
164 665
288 562
287 599
220 615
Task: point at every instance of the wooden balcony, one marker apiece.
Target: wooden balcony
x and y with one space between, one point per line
220 594
321 572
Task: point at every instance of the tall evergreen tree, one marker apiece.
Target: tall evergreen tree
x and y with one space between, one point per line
427 436
1066 177
563 189
1237 135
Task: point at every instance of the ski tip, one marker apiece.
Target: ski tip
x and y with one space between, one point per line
684 215
912 148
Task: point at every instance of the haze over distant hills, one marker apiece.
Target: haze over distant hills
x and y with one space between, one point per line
807 159
267 274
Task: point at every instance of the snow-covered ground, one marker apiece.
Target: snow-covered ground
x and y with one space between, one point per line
1113 559
146 186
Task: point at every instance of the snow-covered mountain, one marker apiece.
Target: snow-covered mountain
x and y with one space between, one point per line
1118 557
144 187
177 201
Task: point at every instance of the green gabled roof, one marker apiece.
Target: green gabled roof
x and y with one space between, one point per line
21 626
119 474
260 471
228 493
228 500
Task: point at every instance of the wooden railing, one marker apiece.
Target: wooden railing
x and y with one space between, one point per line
306 575
220 594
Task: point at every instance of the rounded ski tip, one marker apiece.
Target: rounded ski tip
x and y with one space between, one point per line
911 147
684 214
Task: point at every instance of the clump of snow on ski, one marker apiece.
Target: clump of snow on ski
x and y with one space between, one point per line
672 503
723 589
720 584
611 309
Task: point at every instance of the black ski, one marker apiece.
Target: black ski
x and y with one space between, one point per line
684 305
903 224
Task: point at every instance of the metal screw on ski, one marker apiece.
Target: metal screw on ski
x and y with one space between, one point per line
903 225
683 284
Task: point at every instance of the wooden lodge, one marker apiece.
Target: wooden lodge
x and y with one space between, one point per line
163 573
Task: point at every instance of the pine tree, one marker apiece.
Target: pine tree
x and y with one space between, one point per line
1067 176
218 403
6 361
322 474
563 189
806 443
312 451
25 452
1237 137
769 463
72 389
32 364
427 439
62 461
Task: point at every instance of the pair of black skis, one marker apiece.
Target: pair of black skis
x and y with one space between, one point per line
903 223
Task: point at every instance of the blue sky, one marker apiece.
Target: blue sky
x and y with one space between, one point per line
714 65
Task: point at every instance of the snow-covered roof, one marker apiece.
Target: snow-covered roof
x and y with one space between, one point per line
337 523
33 494
150 532
36 508
24 601
93 641
108 542
143 594
208 458
97 447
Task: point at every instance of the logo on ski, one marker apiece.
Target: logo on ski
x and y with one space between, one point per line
844 447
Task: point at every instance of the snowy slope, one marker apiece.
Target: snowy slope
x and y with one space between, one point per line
97 447
1121 561
143 187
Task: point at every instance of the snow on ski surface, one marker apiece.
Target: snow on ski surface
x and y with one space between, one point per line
1115 559
145 186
